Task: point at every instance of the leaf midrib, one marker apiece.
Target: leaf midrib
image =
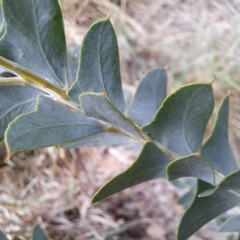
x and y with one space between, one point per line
55 126
40 43
185 119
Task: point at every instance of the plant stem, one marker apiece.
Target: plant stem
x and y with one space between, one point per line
31 78
12 81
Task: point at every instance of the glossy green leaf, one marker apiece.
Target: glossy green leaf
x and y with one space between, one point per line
148 97
51 124
217 148
180 122
38 234
231 225
191 166
15 100
98 106
150 164
3 236
34 38
99 65
203 210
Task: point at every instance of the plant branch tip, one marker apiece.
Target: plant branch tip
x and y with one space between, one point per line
109 14
213 80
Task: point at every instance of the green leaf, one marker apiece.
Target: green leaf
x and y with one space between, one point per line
15 100
150 164
3 236
191 166
98 106
217 148
181 120
16 238
203 210
35 38
38 234
148 97
231 225
101 139
231 182
51 124
99 65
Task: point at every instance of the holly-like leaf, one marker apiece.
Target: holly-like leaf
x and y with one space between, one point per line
38 234
217 148
15 100
98 106
204 209
99 65
148 97
231 225
150 164
51 124
34 38
191 166
180 122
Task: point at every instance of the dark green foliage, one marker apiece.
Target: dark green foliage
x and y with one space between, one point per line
76 100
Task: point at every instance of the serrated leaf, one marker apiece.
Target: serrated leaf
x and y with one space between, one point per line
98 106
99 65
3 236
15 100
150 164
51 124
38 234
231 225
148 97
180 122
203 210
35 39
217 148
191 166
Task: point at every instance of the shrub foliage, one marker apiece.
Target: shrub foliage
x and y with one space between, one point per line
55 99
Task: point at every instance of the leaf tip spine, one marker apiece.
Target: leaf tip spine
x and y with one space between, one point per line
109 14
213 80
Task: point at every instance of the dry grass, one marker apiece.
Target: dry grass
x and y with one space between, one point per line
194 40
